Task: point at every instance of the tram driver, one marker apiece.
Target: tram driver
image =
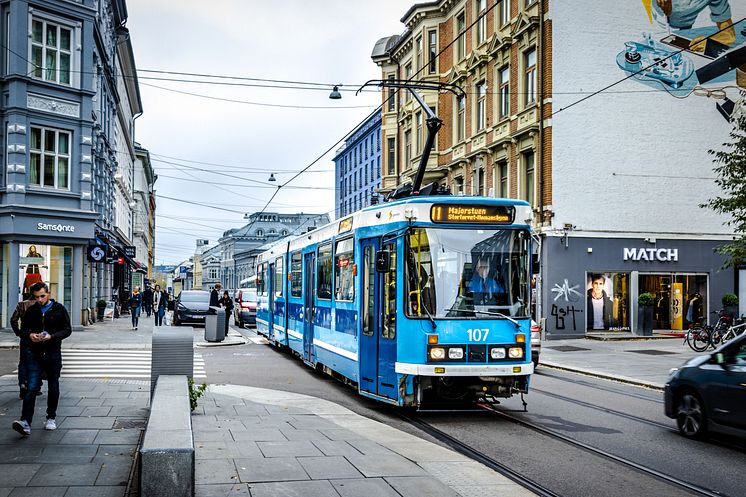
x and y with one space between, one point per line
484 284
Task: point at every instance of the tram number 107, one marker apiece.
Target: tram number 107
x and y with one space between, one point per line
478 334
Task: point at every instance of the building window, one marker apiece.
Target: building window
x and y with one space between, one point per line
528 177
461 41
504 92
530 78
481 105
418 53
481 8
407 148
407 76
391 147
504 13
392 96
418 131
458 185
461 118
481 181
51 51
432 47
502 187
49 158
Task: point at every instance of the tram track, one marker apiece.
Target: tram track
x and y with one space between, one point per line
589 384
696 489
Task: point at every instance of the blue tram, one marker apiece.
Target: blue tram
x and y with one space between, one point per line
417 300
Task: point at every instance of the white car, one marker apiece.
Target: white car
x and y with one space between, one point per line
535 343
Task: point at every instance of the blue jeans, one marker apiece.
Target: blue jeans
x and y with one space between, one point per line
135 311
36 364
159 316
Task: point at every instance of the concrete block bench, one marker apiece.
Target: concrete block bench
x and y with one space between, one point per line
167 452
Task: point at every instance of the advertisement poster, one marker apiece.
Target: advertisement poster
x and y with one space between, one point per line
34 266
607 302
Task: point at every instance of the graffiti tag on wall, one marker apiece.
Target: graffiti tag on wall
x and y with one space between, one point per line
564 315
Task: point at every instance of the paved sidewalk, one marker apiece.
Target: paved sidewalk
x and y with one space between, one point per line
92 451
266 443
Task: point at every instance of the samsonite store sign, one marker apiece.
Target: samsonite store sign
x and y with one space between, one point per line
47 227
651 254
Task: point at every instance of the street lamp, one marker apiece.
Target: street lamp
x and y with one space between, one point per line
335 95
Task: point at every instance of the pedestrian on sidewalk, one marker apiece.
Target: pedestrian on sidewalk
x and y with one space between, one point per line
227 303
45 325
147 300
215 295
17 316
135 306
160 303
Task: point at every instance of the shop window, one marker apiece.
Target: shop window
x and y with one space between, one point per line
344 268
679 299
607 302
50 264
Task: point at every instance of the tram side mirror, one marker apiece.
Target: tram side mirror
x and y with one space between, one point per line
383 261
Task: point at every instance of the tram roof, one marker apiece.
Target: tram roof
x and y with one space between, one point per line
392 213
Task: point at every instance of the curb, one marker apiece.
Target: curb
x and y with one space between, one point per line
606 376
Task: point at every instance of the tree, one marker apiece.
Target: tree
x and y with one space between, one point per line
731 178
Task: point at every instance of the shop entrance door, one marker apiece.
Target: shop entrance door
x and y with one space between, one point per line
679 299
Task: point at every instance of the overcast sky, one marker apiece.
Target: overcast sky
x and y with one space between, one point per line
320 41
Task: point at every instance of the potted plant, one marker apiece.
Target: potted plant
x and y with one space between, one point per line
730 304
645 303
100 306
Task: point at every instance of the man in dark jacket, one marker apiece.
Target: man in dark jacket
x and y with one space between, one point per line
147 300
215 295
45 325
17 316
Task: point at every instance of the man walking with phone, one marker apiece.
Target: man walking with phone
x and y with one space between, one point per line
45 325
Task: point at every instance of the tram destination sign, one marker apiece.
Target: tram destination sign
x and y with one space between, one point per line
470 213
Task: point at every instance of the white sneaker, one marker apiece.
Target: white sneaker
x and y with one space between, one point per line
51 425
22 427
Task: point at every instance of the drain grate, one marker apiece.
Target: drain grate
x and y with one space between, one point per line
652 352
567 348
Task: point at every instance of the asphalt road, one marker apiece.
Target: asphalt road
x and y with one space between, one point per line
622 420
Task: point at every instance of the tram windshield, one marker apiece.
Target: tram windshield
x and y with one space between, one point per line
467 273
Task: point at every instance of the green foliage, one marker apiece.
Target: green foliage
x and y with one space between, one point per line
101 303
195 392
730 300
645 299
731 178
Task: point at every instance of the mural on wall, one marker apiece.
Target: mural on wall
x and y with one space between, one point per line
689 43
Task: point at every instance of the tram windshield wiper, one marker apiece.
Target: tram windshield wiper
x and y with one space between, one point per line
489 313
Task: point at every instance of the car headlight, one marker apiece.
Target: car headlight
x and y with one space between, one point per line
497 353
515 352
455 353
437 353
672 372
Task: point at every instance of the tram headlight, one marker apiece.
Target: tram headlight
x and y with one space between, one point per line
437 353
515 352
497 353
455 353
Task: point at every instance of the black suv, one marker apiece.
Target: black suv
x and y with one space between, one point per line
709 392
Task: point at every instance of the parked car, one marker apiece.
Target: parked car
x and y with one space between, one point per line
535 343
708 393
191 307
244 312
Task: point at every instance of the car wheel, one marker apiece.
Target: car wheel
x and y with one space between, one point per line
690 415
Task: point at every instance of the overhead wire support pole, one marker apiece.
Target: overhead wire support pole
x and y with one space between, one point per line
432 122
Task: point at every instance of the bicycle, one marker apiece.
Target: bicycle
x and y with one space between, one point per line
698 337
727 332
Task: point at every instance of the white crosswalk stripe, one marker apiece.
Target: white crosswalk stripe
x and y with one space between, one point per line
77 363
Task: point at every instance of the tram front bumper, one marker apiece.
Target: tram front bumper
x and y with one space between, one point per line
464 369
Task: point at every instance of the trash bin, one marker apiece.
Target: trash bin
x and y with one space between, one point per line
215 325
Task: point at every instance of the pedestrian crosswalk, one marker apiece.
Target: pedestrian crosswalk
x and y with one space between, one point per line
78 363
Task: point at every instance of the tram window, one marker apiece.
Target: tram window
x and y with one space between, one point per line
278 277
296 274
419 267
260 279
344 264
324 272
389 295
369 298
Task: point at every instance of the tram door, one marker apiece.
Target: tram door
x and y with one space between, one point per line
271 302
378 324
309 287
